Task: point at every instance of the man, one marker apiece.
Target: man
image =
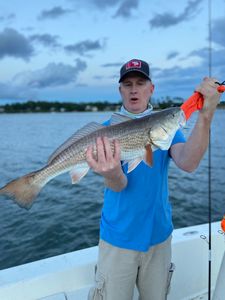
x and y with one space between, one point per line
136 222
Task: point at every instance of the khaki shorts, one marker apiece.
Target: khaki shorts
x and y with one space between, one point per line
118 270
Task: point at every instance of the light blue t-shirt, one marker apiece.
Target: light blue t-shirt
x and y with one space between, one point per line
140 215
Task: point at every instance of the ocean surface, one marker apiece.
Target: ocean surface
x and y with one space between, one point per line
66 217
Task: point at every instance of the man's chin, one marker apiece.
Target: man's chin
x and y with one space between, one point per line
135 109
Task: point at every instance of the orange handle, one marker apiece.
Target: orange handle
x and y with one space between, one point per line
195 102
223 224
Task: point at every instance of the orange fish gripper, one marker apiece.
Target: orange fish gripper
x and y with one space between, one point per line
195 102
223 224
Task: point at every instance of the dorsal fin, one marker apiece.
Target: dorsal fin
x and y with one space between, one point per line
118 118
87 129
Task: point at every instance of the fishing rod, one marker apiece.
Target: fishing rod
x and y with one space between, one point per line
195 102
221 89
209 156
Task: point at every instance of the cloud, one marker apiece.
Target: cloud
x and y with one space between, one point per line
54 13
172 55
109 65
126 7
217 67
85 46
46 40
101 4
14 44
178 81
8 92
98 77
203 53
53 75
168 19
13 92
9 17
28 84
218 32
123 8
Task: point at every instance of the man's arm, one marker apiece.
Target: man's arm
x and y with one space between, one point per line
187 156
107 164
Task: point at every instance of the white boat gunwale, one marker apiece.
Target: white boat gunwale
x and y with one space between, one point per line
72 274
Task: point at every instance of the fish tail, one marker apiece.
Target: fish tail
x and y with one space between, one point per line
24 190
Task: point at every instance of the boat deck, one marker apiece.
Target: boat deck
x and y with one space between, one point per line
70 276
82 295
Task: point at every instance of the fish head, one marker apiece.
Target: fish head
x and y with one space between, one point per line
172 117
164 126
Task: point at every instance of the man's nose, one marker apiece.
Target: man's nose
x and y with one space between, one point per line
133 89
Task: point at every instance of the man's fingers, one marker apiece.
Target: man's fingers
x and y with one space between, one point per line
108 150
211 80
208 86
117 150
89 157
101 157
105 160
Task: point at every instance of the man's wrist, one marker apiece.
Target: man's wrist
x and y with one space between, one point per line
117 182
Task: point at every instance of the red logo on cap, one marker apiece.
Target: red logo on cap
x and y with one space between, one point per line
133 64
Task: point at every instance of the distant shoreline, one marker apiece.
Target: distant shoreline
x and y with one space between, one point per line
45 106
60 107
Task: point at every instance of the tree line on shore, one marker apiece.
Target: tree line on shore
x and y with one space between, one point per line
46 106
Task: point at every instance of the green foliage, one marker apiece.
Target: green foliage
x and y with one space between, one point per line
45 106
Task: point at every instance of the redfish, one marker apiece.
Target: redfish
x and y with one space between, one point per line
137 138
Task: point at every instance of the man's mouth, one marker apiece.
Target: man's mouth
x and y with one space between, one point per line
134 99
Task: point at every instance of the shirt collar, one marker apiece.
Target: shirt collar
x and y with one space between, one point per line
125 112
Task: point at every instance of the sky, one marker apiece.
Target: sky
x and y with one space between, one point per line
72 50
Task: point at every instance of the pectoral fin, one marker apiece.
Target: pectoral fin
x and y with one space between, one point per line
78 172
132 164
148 159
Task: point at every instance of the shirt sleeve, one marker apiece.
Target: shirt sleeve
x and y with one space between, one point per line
178 138
106 123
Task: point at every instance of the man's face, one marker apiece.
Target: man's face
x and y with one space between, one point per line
136 92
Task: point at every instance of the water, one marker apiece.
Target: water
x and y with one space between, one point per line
66 217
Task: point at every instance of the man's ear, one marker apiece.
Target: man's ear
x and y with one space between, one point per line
152 88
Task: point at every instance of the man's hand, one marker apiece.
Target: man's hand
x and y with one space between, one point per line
208 88
187 156
107 163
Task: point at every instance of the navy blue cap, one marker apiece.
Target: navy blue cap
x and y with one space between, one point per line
135 65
